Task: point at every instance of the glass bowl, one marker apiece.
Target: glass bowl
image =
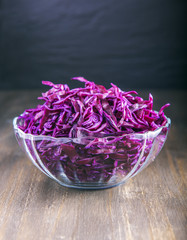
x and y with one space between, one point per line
92 162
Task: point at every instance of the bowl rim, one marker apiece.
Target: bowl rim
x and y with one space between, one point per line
140 135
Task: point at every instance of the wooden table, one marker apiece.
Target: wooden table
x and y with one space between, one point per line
150 206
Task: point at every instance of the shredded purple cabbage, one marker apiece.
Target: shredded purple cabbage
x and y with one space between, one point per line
96 112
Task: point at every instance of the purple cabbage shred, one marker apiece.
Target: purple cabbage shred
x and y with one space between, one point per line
98 117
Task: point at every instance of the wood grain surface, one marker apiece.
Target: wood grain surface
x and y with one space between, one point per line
150 206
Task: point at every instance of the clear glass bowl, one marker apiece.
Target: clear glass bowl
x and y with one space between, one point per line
92 162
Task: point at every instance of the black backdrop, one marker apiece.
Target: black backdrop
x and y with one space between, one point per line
132 43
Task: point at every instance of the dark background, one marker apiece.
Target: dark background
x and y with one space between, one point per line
132 43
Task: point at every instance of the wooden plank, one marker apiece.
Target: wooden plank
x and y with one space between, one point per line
150 206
